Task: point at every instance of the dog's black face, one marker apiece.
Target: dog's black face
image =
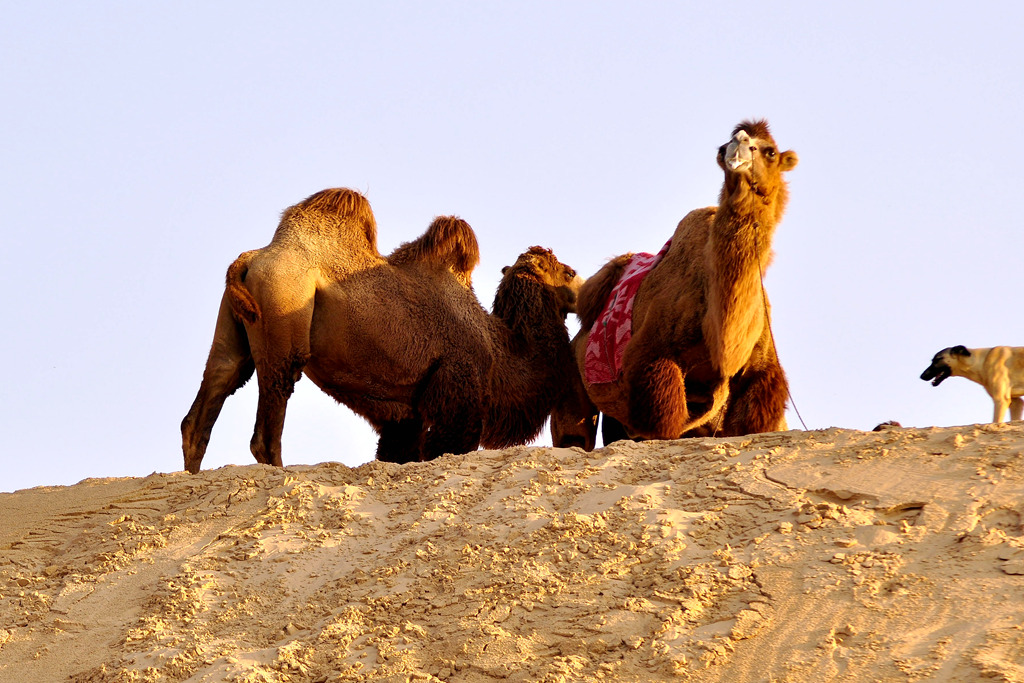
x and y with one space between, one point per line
937 371
940 369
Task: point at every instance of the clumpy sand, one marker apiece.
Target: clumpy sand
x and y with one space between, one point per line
830 555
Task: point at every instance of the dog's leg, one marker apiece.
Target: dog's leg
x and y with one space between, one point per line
1001 404
1016 408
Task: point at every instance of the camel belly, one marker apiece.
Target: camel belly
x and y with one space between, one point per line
373 400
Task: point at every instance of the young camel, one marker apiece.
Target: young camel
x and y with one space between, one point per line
401 340
701 358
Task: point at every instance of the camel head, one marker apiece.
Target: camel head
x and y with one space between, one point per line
539 265
751 159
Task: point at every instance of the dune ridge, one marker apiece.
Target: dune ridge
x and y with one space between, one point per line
797 556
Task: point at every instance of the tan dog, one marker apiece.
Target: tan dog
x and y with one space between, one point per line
999 369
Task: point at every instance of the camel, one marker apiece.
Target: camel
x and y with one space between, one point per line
401 340
701 359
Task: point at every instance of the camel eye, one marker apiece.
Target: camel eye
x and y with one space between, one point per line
770 153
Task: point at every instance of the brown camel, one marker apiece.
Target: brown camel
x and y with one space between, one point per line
401 340
701 359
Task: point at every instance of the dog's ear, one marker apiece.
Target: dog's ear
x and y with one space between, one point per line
960 351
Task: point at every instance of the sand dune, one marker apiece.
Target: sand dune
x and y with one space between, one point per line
799 556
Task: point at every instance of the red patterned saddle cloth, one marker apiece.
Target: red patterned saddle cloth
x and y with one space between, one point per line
614 327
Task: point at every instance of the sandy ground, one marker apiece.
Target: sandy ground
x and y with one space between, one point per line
831 555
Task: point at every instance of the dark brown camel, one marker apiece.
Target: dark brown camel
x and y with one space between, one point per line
401 340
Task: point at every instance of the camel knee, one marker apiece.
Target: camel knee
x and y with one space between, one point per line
454 428
757 403
278 376
452 404
399 441
458 435
657 401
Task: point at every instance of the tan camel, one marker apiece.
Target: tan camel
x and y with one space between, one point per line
401 340
700 331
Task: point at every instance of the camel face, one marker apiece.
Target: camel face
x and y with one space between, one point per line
943 364
539 264
752 155
563 279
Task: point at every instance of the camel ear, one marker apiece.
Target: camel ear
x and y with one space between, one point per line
504 269
788 161
960 351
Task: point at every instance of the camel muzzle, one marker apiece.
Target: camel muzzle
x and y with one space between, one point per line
737 154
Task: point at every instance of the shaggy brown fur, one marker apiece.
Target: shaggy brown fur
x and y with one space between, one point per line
449 242
533 361
700 324
402 341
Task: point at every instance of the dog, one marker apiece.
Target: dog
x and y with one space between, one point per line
999 369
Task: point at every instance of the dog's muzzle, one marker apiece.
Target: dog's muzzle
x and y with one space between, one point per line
936 373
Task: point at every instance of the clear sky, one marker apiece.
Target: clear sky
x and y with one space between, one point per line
145 145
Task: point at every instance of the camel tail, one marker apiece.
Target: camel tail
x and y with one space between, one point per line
450 242
242 302
594 293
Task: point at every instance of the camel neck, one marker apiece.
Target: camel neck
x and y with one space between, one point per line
530 356
523 305
737 253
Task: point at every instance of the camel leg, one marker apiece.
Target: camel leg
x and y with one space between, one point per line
612 430
400 441
228 367
1016 408
451 403
657 399
276 385
280 342
757 401
574 418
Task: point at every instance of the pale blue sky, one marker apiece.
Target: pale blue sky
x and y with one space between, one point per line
145 145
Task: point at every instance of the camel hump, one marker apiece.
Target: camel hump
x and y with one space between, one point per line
448 242
595 291
340 201
332 212
242 302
